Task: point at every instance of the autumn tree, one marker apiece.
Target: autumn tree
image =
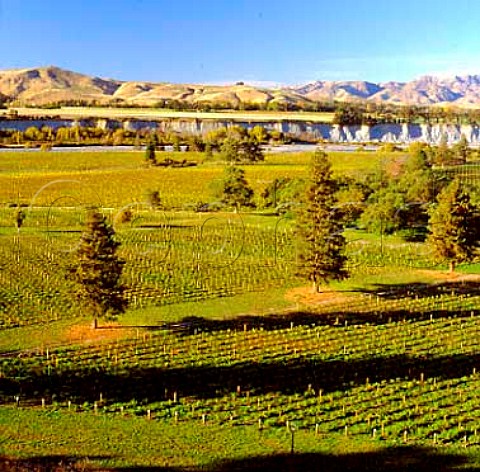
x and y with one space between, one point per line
97 268
319 227
453 226
259 134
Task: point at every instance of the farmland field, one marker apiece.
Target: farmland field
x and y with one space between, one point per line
223 357
158 114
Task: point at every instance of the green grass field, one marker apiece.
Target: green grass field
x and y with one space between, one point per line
224 353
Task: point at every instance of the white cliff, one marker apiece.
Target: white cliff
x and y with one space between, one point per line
382 133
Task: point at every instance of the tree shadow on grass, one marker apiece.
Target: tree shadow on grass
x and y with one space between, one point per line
193 324
288 375
418 290
400 459
50 463
397 459
357 312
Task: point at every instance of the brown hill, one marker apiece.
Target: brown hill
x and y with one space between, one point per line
49 84
42 85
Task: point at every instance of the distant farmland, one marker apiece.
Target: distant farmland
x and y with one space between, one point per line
157 113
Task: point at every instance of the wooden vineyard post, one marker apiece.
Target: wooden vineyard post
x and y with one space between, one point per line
291 428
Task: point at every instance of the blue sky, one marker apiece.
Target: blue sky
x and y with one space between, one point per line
216 41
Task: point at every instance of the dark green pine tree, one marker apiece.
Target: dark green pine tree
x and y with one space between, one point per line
235 190
321 242
98 269
150 156
251 150
460 150
230 150
453 226
443 153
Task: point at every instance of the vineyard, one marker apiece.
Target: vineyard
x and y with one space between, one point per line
396 380
388 358
174 257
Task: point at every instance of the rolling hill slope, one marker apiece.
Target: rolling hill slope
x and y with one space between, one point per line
42 85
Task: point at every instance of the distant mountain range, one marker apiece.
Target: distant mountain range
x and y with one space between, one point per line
428 90
42 85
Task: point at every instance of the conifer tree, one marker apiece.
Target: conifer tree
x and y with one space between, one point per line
251 150
98 268
320 229
19 218
453 226
230 149
443 154
150 156
461 149
236 191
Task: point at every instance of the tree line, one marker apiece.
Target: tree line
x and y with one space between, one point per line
47 137
380 113
345 113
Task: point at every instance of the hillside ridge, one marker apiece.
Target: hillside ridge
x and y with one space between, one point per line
50 84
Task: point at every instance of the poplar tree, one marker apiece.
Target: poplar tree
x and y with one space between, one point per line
98 269
320 229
